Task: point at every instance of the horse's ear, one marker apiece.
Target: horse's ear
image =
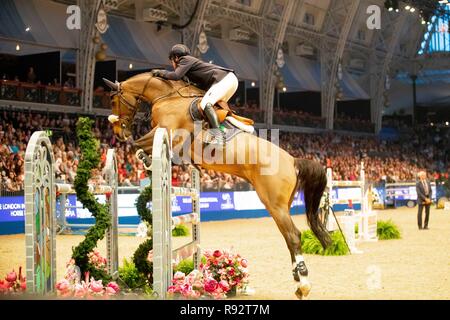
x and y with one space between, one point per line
115 86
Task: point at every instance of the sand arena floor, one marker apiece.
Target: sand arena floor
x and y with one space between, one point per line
414 267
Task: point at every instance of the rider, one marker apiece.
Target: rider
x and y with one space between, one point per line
221 83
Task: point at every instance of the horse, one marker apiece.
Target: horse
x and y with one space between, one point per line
170 102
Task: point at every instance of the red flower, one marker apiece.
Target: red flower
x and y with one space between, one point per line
211 285
217 253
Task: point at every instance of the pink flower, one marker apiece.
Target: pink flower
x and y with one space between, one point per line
63 285
217 253
96 286
11 277
211 285
114 286
179 276
110 291
186 290
224 285
23 285
80 290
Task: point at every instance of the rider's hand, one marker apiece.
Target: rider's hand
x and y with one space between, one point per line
157 73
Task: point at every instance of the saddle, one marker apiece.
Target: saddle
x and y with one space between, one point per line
224 114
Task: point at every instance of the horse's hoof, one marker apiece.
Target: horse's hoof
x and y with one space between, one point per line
303 289
143 157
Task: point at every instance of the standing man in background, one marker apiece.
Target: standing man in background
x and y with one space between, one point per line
424 193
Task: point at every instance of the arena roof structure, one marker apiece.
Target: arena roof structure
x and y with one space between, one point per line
327 46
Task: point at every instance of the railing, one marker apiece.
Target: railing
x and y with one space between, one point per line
37 93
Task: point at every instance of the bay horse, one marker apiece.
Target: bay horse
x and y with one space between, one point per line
170 101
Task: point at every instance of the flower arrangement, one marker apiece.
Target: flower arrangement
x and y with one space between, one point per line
71 286
220 274
197 285
13 283
87 288
224 265
97 261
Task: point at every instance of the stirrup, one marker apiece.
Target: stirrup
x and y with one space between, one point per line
146 161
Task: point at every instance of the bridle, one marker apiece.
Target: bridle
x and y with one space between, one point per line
126 119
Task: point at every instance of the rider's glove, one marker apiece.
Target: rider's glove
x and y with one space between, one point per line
158 73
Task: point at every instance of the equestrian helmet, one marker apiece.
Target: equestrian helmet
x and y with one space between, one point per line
179 50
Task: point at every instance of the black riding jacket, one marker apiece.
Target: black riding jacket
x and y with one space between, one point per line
203 74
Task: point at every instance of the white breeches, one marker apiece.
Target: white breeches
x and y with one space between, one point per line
221 91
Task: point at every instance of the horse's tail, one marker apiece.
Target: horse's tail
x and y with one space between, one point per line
312 179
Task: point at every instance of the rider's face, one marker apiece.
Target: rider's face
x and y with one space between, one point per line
174 63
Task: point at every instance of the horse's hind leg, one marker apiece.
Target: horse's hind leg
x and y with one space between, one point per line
292 236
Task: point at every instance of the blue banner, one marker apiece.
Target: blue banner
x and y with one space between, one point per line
12 209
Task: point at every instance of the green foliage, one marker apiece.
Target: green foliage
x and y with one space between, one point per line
387 230
140 259
180 230
129 274
141 204
311 245
140 256
90 159
186 266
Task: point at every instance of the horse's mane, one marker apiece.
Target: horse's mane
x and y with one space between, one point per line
176 84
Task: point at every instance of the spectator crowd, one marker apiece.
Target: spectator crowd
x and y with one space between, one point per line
391 161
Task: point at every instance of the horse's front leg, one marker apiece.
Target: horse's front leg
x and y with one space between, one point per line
144 146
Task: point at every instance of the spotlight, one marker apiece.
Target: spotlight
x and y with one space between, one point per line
391 9
17 47
130 66
423 22
408 7
412 9
253 84
284 89
397 10
210 61
431 124
28 29
446 123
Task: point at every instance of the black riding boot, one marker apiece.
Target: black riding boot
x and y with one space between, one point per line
214 124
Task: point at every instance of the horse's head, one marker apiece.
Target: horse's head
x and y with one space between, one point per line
124 108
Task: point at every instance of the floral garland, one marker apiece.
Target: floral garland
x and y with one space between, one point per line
140 256
90 159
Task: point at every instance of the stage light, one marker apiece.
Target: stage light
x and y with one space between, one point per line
28 29
284 89
423 22
412 9
408 7
446 123
210 61
397 10
17 47
253 84
431 124
391 9
130 66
